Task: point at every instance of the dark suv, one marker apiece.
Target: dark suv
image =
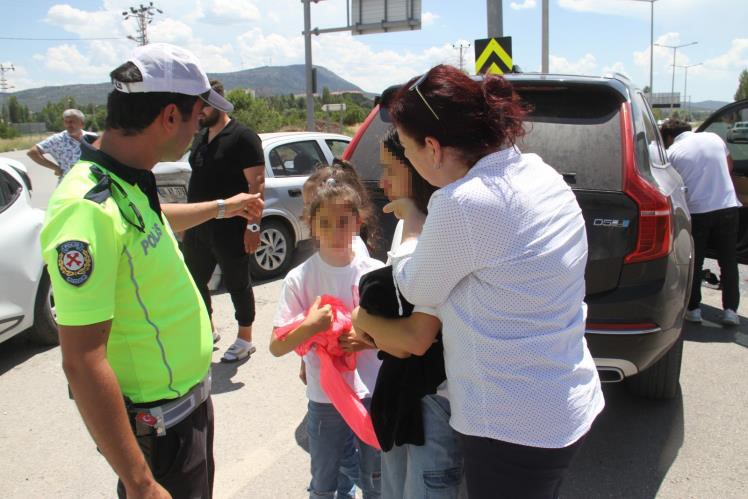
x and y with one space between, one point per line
599 133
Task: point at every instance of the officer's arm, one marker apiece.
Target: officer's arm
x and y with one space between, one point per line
36 154
101 404
183 216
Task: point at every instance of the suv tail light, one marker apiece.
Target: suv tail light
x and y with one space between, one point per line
654 238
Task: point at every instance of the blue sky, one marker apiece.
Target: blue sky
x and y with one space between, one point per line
587 37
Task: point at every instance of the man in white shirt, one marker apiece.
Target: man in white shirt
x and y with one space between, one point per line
64 147
704 162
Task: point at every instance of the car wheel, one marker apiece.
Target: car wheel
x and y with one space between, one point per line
44 330
660 381
275 253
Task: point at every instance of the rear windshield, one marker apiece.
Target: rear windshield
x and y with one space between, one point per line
578 132
366 155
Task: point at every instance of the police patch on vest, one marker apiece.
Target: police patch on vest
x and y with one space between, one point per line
74 262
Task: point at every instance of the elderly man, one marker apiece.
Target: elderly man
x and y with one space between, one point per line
64 147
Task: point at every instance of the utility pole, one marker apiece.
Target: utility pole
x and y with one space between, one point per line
462 47
308 65
651 42
494 19
143 16
685 86
4 85
675 49
544 56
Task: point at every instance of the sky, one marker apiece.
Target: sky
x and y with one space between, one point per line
586 37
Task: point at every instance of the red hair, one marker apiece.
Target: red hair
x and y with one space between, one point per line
476 117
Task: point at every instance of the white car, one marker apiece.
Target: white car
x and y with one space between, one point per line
289 158
26 299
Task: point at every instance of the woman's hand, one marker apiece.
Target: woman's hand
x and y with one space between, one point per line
355 341
319 317
405 209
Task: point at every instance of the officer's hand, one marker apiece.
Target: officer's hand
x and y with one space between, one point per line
244 205
152 490
319 317
251 241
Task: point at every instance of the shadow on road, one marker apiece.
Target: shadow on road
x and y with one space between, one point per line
221 374
18 350
629 449
711 330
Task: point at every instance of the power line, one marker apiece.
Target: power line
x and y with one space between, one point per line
4 85
143 16
461 47
59 39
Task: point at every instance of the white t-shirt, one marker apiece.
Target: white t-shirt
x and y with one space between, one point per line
701 160
502 257
359 247
395 252
301 287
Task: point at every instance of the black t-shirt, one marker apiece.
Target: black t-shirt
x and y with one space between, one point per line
218 167
218 173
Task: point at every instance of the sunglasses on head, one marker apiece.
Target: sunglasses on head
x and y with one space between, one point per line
415 85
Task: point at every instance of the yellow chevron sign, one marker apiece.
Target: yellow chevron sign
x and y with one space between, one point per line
493 55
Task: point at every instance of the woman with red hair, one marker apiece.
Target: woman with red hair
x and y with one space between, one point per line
501 256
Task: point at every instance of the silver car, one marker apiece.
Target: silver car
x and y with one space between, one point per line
289 158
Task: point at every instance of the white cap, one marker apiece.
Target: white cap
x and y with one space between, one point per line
168 68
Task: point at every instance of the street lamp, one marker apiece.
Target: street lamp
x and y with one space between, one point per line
651 42
685 84
675 49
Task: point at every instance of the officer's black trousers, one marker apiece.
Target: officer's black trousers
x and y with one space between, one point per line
203 248
182 460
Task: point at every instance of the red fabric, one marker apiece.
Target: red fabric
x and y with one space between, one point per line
333 362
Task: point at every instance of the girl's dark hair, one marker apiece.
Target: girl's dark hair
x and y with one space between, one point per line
133 113
475 117
340 181
420 190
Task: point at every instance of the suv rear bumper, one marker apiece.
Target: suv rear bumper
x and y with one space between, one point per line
622 354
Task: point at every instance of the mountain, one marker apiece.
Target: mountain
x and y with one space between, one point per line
706 106
265 81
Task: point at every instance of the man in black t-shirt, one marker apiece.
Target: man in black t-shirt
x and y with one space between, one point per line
226 159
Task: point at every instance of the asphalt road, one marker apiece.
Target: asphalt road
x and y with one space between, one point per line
695 446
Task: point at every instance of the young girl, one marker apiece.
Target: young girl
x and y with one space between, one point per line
336 210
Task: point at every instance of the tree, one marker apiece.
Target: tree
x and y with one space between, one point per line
17 112
742 92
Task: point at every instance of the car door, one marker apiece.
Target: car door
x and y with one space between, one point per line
722 122
21 265
290 163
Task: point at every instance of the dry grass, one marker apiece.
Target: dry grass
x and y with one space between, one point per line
22 142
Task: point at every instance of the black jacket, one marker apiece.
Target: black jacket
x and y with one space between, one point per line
401 383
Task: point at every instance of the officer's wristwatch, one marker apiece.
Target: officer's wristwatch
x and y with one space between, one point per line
221 208
253 227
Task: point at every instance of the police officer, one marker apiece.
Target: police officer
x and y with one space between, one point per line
135 335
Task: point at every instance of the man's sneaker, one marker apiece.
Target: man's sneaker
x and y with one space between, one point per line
730 318
239 350
693 315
